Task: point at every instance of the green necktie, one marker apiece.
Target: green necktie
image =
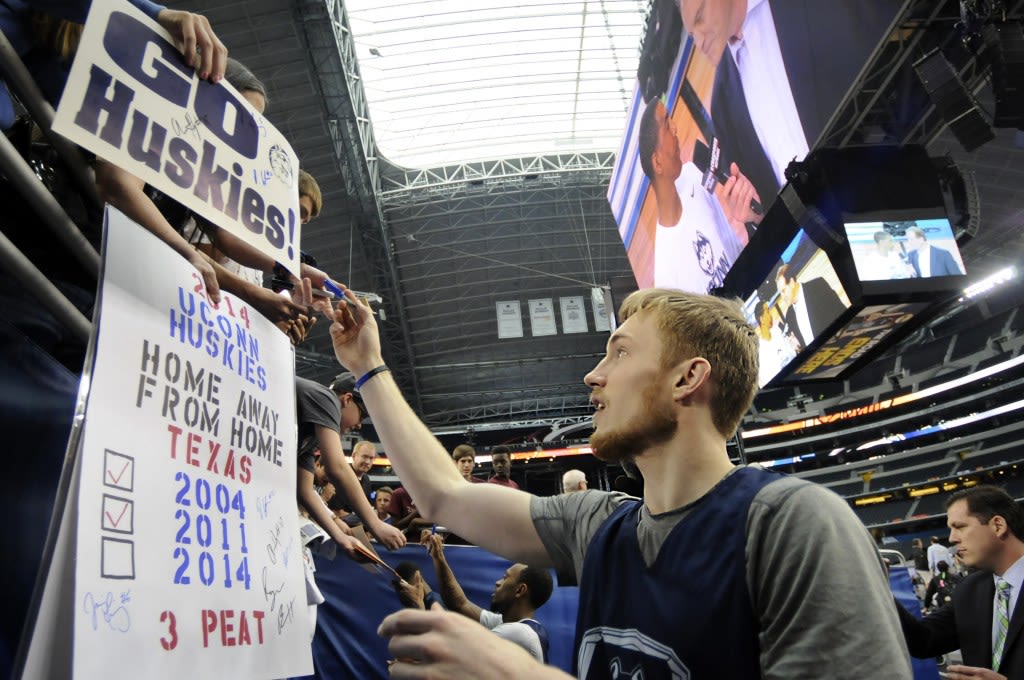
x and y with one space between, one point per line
1002 621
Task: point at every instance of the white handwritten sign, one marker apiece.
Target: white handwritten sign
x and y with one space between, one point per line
188 559
132 100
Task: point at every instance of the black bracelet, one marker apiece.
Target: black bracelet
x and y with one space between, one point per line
369 374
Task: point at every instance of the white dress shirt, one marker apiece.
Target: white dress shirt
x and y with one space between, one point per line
766 88
803 318
924 261
938 553
1015 577
878 267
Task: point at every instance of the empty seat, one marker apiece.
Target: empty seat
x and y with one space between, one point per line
987 460
883 512
925 357
945 377
872 375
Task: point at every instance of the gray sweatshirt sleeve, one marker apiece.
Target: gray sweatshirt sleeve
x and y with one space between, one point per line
819 588
567 522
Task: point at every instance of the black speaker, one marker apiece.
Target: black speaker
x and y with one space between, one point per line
1006 45
953 101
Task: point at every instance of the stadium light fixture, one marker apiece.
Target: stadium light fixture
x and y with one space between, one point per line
1001 277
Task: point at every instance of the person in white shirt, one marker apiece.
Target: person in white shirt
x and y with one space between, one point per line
517 595
774 348
886 262
695 244
937 553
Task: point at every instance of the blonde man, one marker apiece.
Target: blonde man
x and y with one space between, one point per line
718 571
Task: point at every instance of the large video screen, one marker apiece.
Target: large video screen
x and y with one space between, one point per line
904 249
720 108
801 298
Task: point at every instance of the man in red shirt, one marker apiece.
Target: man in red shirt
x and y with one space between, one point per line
501 460
464 456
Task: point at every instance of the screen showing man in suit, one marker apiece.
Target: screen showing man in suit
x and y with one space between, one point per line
876 254
886 250
801 298
812 304
751 88
928 259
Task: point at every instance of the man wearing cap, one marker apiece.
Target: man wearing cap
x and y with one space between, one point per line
322 415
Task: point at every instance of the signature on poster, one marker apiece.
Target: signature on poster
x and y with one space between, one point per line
110 610
189 127
275 540
270 593
263 504
285 615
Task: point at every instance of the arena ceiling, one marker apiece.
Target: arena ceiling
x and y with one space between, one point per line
443 228
449 81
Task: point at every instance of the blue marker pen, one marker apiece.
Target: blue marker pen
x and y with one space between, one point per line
332 287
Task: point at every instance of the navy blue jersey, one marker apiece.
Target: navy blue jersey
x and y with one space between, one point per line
542 635
689 614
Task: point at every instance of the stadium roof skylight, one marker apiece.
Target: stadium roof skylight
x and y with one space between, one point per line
453 81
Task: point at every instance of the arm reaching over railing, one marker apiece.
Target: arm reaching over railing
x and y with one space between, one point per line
488 515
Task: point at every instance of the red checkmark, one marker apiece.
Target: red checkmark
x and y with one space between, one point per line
114 522
117 480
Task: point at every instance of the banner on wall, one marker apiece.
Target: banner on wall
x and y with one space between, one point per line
181 515
574 314
600 307
510 319
132 100
542 317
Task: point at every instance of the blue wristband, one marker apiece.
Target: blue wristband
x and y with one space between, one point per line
369 374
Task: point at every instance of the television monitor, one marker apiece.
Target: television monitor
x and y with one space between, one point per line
895 249
702 118
793 309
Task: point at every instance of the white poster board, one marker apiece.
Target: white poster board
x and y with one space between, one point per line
132 100
187 557
542 317
510 319
574 315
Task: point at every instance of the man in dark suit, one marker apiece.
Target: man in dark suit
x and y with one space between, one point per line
811 306
985 618
927 260
822 45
